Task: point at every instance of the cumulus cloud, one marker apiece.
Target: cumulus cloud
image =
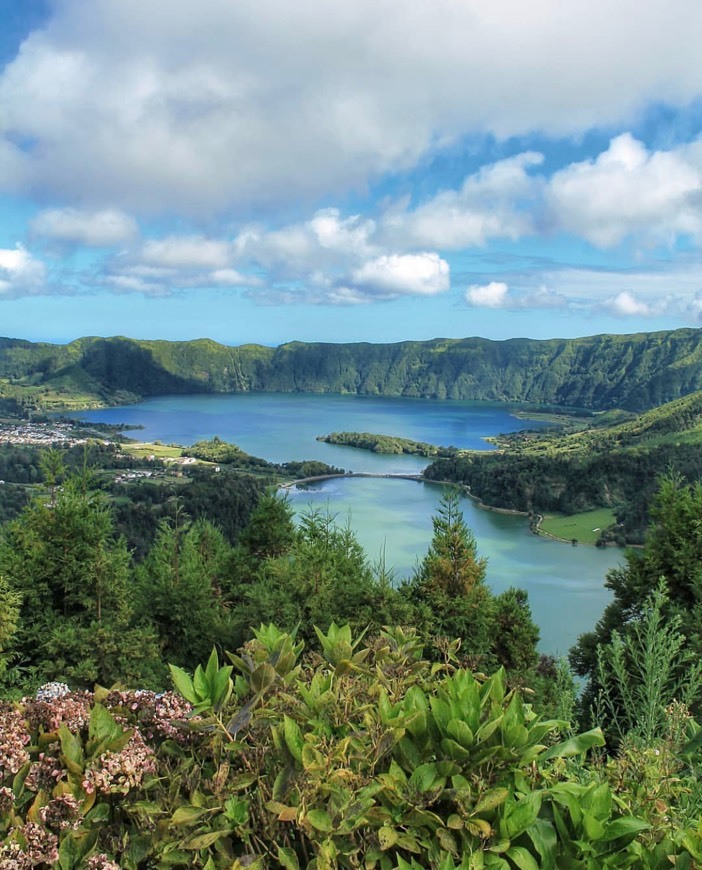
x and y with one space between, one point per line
625 304
497 294
489 205
178 252
393 275
628 190
327 241
97 229
157 267
20 273
492 295
210 105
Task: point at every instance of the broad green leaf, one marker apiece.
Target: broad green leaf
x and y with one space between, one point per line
293 738
72 750
263 678
575 745
387 837
185 815
287 858
598 801
490 800
624 827
522 858
202 841
455 750
102 725
183 684
320 820
519 815
424 777
543 836
447 841
460 732
593 826
201 685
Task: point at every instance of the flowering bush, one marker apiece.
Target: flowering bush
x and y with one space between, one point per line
365 755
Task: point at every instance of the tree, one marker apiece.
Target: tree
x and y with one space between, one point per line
672 552
76 619
323 577
270 531
452 565
179 588
641 673
9 615
448 587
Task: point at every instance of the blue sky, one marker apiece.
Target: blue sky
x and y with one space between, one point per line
362 170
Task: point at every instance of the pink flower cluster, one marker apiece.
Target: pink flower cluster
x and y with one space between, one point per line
27 846
118 772
44 773
14 736
101 862
71 709
7 799
157 715
60 813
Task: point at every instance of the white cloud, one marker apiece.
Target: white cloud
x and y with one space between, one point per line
489 205
178 252
424 274
628 190
230 278
20 273
492 295
625 304
105 228
212 105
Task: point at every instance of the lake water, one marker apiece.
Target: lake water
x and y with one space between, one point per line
565 584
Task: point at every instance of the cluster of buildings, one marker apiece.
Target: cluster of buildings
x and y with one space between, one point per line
40 434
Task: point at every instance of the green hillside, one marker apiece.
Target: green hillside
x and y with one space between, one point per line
635 372
605 465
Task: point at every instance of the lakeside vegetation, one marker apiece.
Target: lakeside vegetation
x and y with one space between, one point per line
607 465
388 444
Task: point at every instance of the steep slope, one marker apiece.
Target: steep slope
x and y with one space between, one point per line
635 372
602 466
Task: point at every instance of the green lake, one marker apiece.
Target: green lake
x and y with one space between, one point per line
565 583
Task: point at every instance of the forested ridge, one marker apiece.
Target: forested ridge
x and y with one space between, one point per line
634 372
606 464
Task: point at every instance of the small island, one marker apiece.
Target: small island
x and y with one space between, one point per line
389 444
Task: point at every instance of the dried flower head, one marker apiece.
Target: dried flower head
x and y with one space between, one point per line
14 736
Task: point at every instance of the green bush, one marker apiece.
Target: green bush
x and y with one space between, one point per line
362 755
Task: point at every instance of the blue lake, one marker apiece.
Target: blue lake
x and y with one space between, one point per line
565 584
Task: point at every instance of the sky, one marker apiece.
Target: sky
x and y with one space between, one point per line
356 170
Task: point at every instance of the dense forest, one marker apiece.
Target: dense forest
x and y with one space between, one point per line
338 721
605 464
634 372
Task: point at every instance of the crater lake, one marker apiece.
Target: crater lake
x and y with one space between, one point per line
392 518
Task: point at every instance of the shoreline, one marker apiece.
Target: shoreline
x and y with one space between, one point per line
535 528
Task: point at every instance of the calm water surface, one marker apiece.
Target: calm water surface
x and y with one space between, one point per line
565 584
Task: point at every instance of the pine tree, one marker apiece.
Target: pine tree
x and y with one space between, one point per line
448 587
179 588
76 617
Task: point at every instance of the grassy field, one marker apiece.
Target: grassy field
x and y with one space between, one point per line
584 528
160 451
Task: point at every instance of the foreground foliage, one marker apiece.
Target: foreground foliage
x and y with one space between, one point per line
363 755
